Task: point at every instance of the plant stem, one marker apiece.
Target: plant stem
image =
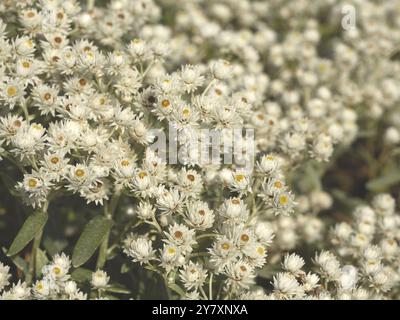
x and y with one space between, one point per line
109 210
210 286
206 235
25 110
32 260
208 87
167 289
90 5
203 293
36 244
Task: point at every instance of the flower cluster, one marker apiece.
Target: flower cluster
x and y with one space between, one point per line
56 283
119 104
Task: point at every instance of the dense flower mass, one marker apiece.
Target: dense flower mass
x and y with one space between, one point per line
199 149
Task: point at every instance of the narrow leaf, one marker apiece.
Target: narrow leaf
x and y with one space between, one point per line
81 275
118 288
384 182
90 240
177 289
31 227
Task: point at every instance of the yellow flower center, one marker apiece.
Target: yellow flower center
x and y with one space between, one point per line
283 200
32 183
57 270
26 64
165 103
125 163
278 184
260 251
11 91
171 250
54 160
79 173
142 174
239 177
186 112
225 246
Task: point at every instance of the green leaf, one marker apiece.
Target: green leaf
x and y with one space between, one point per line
110 297
81 275
177 289
21 264
41 261
54 246
90 240
384 182
125 268
31 227
118 288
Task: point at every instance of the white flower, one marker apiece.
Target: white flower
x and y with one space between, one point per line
19 291
191 78
328 264
140 249
4 276
240 275
286 286
100 279
41 289
221 69
199 216
293 263
58 269
348 278
169 201
192 275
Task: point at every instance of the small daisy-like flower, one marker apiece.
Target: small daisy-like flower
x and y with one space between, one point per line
234 210
286 286
293 263
4 276
192 275
11 92
199 216
140 249
100 279
240 275
171 257
222 252
181 236
221 69
170 201
191 78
